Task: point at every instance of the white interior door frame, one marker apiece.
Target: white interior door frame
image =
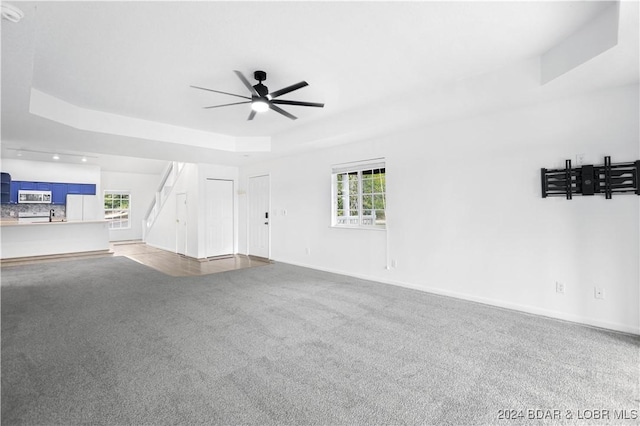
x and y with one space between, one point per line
181 223
219 217
258 216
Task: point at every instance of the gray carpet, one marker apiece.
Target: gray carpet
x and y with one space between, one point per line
110 341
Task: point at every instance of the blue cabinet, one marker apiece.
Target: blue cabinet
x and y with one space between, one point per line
81 188
88 189
43 186
5 194
74 188
15 186
5 188
58 193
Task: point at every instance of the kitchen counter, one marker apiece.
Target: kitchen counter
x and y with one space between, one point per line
12 222
50 238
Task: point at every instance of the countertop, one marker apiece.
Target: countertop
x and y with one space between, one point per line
12 222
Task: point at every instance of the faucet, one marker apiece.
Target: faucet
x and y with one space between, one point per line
51 215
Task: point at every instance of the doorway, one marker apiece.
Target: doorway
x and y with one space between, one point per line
258 216
219 221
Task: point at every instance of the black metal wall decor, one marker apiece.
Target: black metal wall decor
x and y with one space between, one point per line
607 179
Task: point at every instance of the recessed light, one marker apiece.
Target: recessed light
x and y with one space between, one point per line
56 157
84 159
19 154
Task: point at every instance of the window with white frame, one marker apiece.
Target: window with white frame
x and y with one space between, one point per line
359 195
117 209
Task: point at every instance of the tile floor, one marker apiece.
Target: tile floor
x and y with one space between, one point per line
164 261
180 266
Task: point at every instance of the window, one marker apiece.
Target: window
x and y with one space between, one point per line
117 208
359 195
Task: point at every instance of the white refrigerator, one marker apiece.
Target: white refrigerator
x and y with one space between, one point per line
83 207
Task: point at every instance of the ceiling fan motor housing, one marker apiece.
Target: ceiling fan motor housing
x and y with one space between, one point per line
261 88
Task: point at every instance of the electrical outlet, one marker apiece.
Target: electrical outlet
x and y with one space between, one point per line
559 287
579 159
394 263
598 293
308 250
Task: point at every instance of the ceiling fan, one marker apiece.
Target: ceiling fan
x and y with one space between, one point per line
261 100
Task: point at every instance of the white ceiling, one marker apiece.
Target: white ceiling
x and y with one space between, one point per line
376 65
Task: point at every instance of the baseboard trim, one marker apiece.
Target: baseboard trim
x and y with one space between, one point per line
161 248
61 256
531 310
126 242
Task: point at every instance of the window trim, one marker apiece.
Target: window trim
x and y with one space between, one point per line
109 222
359 167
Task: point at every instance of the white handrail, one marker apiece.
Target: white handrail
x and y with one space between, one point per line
169 178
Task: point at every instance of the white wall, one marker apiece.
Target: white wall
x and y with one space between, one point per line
163 233
142 188
465 215
192 182
42 171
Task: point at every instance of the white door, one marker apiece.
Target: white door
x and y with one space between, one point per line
181 223
258 216
219 217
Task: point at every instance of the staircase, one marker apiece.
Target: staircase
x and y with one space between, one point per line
169 178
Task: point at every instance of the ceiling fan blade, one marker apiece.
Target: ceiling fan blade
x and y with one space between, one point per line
218 91
246 83
253 114
299 103
287 89
235 103
281 111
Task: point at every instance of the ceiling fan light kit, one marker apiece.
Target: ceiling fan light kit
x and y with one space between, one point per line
261 99
259 105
